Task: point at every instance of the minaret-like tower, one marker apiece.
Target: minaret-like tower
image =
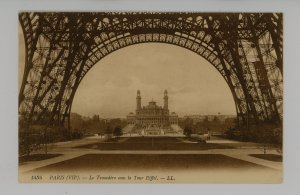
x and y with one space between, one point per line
138 100
166 100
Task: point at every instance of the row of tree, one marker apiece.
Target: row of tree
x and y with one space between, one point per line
263 132
37 137
268 132
96 125
202 127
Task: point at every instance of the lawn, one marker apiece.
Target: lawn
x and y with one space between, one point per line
152 143
270 157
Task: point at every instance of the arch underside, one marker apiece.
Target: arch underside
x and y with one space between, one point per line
62 47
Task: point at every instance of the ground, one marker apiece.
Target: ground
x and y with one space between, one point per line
177 156
150 162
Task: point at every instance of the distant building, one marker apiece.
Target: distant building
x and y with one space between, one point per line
152 114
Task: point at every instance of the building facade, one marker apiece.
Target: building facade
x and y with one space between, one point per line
152 115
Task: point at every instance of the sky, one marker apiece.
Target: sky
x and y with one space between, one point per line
109 88
194 85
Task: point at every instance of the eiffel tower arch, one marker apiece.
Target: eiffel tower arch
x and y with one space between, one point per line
61 48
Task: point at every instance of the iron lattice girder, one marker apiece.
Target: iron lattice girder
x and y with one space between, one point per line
189 21
62 47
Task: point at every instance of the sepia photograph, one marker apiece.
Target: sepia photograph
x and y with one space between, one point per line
150 97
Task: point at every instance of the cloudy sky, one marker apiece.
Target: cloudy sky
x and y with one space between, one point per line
109 88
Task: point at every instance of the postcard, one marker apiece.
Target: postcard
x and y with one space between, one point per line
150 97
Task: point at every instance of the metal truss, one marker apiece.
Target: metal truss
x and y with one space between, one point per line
246 48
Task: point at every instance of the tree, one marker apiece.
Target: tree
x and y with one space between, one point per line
117 131
187 131
108 130
96 118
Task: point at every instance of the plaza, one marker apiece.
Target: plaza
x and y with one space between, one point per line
160 155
